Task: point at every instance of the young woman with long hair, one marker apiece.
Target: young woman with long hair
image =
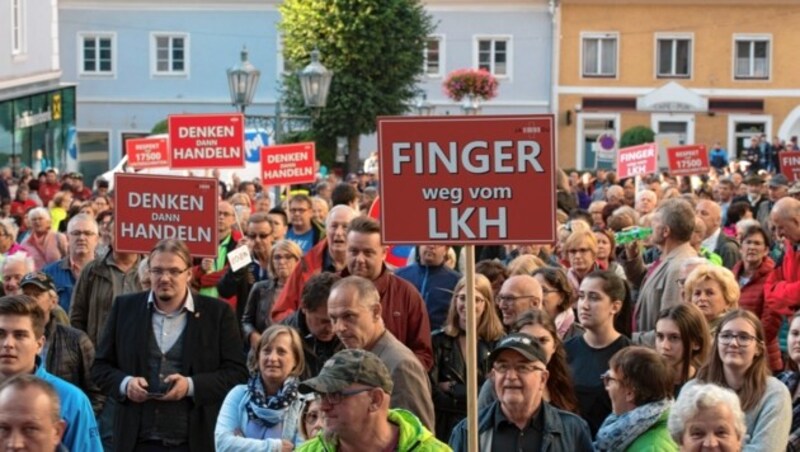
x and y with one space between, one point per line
683 339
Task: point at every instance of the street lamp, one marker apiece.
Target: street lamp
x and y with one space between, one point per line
315 81
422 107
242 81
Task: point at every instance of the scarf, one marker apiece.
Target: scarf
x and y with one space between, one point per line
265 410
619 431
564 321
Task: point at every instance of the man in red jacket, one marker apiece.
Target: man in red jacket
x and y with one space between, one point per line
402 307
782 289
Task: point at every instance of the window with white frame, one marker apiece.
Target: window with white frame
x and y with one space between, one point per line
751 59
170 54
600 55
674 56
432 56
17 27
97 53
494 55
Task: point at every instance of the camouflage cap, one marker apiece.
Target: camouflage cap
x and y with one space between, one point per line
38 279
349 367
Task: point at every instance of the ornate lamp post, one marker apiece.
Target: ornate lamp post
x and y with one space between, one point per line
315 81
242 81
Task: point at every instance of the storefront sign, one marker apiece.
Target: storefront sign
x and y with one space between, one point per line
206 141
467 180
637 160
688 160
151 208
288 164
28 119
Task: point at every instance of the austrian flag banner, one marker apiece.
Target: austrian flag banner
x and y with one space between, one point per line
288 164
206 141
637 160
150 208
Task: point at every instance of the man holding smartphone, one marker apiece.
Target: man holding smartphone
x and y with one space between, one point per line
169 357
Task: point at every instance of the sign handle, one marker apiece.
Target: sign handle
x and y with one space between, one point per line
472 352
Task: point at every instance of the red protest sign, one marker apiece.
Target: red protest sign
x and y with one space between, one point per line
150 208
206 141
637 160
790 164
468 179
147 152
688 160
288 164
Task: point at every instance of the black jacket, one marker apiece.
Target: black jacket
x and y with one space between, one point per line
213 358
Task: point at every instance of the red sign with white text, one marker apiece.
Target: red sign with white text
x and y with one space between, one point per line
790 164
288 164
467 179
150 208
147 153
206 141
637 160
688 160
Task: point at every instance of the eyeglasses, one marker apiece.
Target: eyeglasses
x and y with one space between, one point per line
606 378
81 233
520 369
463 298
298 210
225 214
335 398
742 339
579 251
282 257
508 299
172 272
262 236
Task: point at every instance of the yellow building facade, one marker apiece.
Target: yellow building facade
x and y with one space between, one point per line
698 71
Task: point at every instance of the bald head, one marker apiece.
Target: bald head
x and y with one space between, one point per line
785 216
518 294
711 214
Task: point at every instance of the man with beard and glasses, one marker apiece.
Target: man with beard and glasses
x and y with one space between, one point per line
169 357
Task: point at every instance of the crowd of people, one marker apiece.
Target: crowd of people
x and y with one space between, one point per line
664 317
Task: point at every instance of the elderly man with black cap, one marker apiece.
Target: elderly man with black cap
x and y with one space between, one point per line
520 419
355 389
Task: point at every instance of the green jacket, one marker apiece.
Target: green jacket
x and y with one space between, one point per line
657 439
413 437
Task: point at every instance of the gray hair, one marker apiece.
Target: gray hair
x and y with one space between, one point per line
678 215
86 218
649 193
366 292
10 228
36 211
629 211
741 225
20 258
339 207
700 397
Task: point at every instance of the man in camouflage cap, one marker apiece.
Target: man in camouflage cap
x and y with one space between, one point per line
355 387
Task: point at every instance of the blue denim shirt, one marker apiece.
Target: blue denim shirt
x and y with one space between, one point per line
61 272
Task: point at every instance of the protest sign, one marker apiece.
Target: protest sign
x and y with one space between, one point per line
206 141
150 208
790 164
288 164
637 160
147 153
688 160
467 180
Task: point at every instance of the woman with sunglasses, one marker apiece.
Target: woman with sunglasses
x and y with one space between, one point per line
449 373
602 298
682 339
739 361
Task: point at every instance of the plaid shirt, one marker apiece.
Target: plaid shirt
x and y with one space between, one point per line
69 356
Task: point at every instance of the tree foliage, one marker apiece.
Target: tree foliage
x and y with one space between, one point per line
375 50
637 135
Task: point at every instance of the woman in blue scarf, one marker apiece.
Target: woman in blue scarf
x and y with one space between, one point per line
264 413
